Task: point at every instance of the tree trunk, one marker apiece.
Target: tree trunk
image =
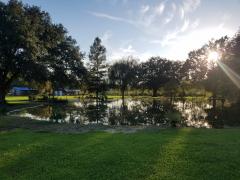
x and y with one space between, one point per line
97 94
97 106
214 102
3 93
122 94
154 93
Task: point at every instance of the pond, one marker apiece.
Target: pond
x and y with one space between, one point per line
131 112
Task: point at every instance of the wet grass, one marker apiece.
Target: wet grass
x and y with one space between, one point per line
165 154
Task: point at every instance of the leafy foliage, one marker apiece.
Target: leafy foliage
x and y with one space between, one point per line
33 48
123 73
97 68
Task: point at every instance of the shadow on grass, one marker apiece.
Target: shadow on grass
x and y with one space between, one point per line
44 155
88 156
200 154
167 154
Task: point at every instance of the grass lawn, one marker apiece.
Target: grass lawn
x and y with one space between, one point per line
24 99
165 154
17 99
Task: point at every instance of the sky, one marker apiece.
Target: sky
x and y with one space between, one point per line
144 28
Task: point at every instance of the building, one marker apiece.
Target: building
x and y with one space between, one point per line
22 91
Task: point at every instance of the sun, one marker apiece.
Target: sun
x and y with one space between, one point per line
213 56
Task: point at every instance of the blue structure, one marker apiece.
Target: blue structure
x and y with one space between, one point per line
19 91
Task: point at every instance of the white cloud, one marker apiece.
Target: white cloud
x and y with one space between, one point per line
169 18
195 24
160 8
182 45
169 37
110 17
128 50
190 5
185 25
144 9
153 22
182 13
174 46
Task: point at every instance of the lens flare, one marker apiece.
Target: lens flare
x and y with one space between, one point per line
233 76
213 56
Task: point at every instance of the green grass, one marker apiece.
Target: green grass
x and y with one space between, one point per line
24 99
166 154
17 100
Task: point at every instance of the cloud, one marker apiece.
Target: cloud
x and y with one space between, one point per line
110 17
190 5
171 14
144 9
154 21
185 26
128 50
169 18
195 24
169 38
146 19
183 44
160 8
182 13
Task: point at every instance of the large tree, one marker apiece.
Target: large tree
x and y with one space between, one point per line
123 73
176 74
155 73
222 77
65 64
27 38
97 68
197 64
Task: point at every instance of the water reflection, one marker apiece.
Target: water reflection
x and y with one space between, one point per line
194 112
131 112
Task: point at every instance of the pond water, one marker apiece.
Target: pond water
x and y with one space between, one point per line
131 112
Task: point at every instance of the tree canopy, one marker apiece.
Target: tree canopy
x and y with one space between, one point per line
155 73
34 48
123 73
97 68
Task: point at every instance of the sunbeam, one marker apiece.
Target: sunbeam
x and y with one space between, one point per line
233 76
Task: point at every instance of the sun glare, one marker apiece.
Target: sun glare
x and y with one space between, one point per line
213 56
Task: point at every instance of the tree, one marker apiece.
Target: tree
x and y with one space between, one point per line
214 81
65 62
97 68
155 73
176 74
27 42
197 64
123 73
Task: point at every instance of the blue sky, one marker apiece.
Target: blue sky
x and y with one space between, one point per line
144 28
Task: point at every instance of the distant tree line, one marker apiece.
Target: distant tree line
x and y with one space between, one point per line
33 49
